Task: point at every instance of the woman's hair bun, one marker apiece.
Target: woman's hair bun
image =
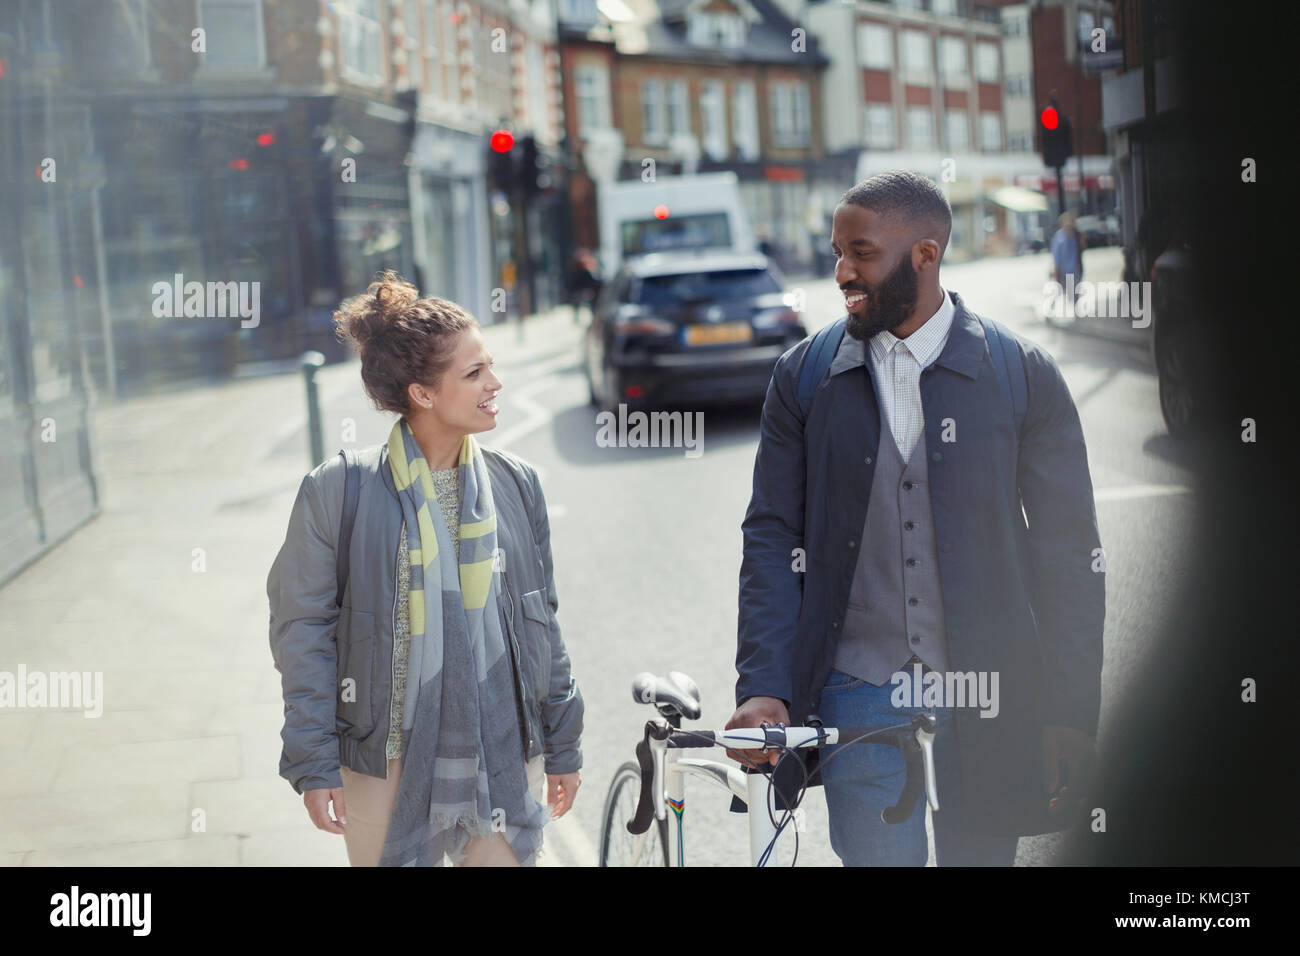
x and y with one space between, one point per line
363 317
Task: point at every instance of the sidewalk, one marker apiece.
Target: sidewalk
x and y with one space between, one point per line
165 594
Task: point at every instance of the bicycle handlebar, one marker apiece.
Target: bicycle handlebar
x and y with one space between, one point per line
914 739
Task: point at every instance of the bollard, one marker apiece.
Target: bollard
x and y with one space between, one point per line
311 361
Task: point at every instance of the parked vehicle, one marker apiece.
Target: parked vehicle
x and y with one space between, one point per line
1099 231
674 328
1180 345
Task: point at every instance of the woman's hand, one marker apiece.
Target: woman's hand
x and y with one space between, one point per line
318 802
561 788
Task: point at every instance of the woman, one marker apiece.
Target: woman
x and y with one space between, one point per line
427 707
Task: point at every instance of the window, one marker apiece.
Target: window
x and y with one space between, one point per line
674 291
908 4
705 230
592 84
944 8
538 114
875 46
713 119
920 128
952 50
233 35
1018 85
744 120
990 132
411 44
716 29
880 126
916 56
986 62
583 11
679 108
359 35
432 41
1014 26
1086 23
136 16
653 118
956 132
1021 142
789 103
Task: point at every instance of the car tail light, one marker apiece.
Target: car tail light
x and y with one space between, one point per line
633 391
644 325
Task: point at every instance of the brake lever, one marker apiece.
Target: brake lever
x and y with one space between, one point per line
926 725
916 744
649 804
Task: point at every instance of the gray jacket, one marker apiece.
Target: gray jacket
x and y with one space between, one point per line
314 644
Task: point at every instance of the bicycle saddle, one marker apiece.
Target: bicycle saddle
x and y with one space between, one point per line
676 693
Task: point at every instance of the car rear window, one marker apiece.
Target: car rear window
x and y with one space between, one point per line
718 286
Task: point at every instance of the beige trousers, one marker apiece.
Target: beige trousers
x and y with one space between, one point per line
368 805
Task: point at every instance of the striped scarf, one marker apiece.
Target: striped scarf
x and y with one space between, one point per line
463 773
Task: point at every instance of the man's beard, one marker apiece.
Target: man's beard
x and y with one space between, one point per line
889 303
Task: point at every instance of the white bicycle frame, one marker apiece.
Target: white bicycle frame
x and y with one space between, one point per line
669 789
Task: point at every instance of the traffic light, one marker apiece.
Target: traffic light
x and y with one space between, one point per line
528 166
501 161
1057 137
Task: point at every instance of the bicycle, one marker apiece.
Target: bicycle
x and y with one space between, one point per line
650 836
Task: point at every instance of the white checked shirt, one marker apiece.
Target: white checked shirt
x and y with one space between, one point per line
898 363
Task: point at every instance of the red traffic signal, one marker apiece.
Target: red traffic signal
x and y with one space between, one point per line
501 141
1050 119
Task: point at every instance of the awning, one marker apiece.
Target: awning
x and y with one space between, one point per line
1019 199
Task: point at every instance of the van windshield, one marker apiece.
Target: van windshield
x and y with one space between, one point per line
709 230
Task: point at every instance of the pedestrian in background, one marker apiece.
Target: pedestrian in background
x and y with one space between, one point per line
584 280
426 707
1067 253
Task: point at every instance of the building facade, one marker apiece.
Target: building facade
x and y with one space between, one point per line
700 86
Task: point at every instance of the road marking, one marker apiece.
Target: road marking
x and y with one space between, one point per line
1129 492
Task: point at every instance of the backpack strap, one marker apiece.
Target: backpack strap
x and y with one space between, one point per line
821 352
1002 349
351 492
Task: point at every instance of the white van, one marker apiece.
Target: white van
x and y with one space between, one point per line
703 211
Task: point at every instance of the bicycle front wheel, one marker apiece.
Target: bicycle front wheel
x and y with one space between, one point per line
617 846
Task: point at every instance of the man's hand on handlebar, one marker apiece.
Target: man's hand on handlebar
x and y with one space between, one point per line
753 713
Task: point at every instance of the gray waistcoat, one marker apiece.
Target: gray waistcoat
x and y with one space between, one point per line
896 603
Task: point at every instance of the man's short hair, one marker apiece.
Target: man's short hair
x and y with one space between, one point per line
905 196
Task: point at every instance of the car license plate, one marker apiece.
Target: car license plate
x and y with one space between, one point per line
723 332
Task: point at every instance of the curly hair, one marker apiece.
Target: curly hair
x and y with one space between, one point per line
400 337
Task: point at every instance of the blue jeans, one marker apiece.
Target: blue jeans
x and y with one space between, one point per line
862 779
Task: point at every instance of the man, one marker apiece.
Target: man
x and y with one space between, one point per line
885 540
1067 253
